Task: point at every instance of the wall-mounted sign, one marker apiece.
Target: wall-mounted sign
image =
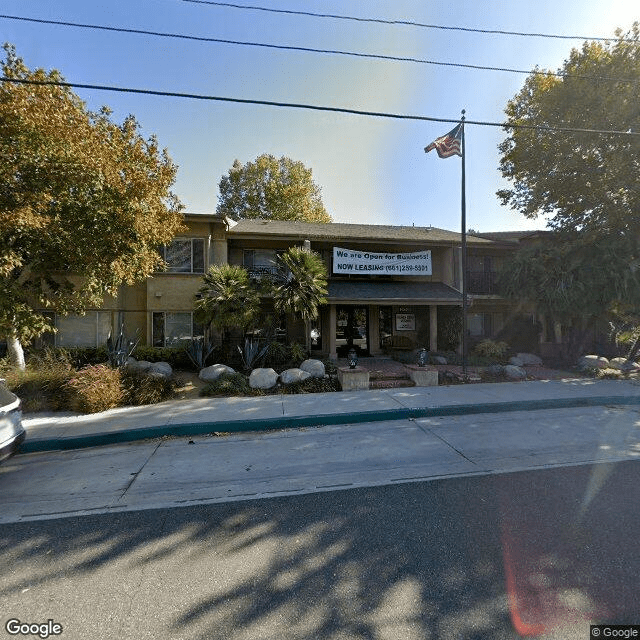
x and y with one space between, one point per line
405 322
381 263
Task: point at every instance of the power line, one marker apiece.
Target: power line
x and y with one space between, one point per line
355 54
405 23
311 107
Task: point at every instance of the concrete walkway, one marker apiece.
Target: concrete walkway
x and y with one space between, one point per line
47 432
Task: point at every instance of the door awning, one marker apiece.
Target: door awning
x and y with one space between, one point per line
371 292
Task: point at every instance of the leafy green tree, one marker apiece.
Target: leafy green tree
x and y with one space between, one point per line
272 189
84 203
301 284
227 299
585 182
572 281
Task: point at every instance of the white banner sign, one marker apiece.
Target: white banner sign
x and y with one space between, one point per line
382 263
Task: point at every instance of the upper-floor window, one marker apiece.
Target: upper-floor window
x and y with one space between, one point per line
184 255
259 262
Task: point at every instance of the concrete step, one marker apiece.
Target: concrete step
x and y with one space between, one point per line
390 383
387 375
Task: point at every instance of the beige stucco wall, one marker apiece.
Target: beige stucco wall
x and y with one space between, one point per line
172 291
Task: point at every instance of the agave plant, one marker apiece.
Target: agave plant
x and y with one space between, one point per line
120 349
252 353
198 350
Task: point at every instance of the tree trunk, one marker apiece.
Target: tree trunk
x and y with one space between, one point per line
15 352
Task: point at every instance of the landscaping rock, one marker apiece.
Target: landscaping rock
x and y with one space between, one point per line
138 365
160 369
621 364
514 373
438 360
516 361
263 379
314 367
294 375
529 359
496 370
593 362
209 374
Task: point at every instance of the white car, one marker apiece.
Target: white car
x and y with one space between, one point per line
12 432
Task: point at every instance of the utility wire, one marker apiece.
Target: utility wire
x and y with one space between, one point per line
311 49
405 23
311 107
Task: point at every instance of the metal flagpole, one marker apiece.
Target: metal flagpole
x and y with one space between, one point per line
463 205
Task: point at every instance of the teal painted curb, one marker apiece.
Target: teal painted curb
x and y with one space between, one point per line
269 424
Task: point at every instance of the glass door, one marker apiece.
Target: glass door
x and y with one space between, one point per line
352 330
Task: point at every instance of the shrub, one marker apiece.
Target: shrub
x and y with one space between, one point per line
139 388
231 384
521 333
312 385
277 354
95 388
175 356
297 353
76 357
491 349
41 388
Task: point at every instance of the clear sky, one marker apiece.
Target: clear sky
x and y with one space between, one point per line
370 170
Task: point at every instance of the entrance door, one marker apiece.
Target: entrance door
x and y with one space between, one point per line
352 330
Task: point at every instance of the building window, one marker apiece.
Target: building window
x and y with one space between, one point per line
184 255
174 329
89 330
259 262
479 325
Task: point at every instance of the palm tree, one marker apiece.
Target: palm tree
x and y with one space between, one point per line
300 285
227 299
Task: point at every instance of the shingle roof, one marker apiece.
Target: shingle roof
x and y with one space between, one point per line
507 236
342 231
371 291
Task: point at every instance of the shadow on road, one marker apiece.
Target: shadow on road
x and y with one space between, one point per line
523 554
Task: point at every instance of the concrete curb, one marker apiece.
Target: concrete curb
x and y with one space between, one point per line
292 422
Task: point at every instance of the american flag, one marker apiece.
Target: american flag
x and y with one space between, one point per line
449 144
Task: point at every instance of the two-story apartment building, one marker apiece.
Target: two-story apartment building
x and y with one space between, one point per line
388 285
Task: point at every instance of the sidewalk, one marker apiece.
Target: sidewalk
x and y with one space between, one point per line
47 432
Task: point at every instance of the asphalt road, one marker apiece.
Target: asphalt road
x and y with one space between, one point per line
537 553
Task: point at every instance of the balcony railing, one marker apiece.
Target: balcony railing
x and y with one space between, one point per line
261 271
482 282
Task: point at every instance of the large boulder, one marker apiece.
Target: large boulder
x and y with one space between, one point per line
138 365
621 364
496 370
529 359
294 375
209 374
160 369
314 367
593 362
516 362
437 360
263 379
514 373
